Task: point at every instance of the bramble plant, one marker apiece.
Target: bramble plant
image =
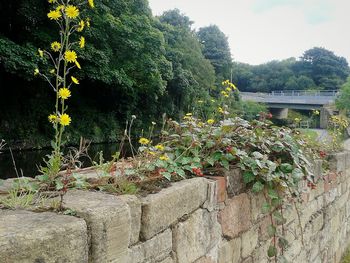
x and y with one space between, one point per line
64 57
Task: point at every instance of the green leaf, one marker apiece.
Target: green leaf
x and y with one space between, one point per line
248 177
181 173
210 160
272 194
266 208
282 242
217 156
225 164
272 251
43 178
257 187
167 175
271 230
286 168
279 220
59 184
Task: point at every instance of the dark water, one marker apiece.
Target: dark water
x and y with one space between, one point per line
27 161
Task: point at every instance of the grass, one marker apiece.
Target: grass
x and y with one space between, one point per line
310 134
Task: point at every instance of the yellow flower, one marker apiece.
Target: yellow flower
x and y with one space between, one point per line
226 96
143 141
75 80
52 1
316 112
233 86
72 11
54 15
91 3
228 89
164 157
82 42
77 64
55 46
189 114
41 53
81 26
52 71
52 118
70 56
87 22
36 72
159 147
65 120
60 8
220 110
152 153
64 93
210 121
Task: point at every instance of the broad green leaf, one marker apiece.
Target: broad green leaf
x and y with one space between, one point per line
272 251
271 230
257 187
248 177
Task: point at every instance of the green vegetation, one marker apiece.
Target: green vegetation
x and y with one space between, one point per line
134 64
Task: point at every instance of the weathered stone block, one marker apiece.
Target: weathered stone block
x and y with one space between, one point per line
211 202
156 249
135 212
42 237
249 241
230 251
235 218
161 210
220 187
235 183
167 260
195 236
108 219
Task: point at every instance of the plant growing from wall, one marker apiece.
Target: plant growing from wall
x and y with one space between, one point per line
63 55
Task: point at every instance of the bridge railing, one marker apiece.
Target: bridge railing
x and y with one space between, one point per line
308 93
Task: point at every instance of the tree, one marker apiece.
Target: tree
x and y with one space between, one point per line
327 70
216 49
343 101
193 74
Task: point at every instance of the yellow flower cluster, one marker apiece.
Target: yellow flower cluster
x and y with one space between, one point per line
210 121
228 84
64 119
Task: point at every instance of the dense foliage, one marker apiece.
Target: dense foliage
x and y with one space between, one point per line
318 68
135 64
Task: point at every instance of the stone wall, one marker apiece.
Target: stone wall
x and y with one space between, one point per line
201 220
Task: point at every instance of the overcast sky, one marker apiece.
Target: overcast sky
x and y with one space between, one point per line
262 30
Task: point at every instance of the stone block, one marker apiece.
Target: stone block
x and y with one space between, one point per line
249 241
230 251
27 237
194 237
211 202
235 183
257 201
153 250
220 187
108 220
135 212
235 218
161 210
167 260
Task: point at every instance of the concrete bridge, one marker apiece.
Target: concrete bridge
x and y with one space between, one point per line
280 101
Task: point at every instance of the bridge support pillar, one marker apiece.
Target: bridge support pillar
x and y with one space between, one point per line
324 117
280 113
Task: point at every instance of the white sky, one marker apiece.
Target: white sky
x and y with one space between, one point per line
262 30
